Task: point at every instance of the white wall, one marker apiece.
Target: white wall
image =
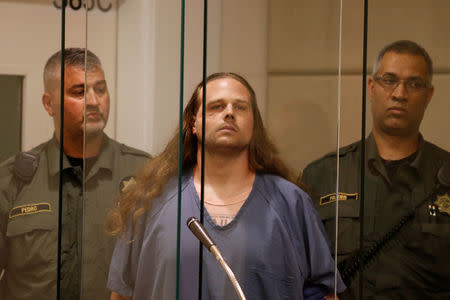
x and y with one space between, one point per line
31 32
244 41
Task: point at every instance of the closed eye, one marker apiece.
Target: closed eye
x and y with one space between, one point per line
100 90
77 93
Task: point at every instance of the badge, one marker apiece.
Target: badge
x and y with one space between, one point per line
330 198
126 183
443 203
29 209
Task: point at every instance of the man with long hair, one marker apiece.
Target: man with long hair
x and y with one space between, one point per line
265 225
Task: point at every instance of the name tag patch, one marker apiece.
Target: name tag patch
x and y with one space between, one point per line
29 209
330 198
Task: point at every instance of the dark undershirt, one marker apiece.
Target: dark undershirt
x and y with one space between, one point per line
75 162
393 165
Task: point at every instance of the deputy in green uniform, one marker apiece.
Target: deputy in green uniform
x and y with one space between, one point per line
29 187
401 201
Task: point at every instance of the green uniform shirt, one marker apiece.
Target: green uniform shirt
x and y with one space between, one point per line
28 220
415 264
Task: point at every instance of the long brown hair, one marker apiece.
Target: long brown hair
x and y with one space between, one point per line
263 158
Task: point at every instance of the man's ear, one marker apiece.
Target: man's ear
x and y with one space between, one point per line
430 95
47 102
370 86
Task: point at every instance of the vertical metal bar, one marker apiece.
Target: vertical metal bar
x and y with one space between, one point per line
202 189
61 148
180 148
363 147
338 138
83 176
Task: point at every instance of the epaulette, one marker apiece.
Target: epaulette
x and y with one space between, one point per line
332 155
349 148
343 150
124 149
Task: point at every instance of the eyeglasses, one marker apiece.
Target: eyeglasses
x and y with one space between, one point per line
390 83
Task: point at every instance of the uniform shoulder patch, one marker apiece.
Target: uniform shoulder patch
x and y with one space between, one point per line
29 209
330 198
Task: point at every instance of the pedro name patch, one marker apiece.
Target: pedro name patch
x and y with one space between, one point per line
29 209
330 198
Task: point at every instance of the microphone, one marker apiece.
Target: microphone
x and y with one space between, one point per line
202 235
200 232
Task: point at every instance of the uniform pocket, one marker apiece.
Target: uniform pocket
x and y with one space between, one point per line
348 233
435 241
32 242
41 218
438 230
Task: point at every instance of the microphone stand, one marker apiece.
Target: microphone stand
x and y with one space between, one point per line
200 233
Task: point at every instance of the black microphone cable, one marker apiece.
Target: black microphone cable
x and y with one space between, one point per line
349 267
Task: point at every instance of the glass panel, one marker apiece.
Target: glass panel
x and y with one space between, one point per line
72 199
405 242
147 79
303 116
260 222
108 164
137 82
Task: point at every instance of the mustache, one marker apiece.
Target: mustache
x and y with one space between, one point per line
94 109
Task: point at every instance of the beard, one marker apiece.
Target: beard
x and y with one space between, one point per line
94 126
94 129
228 147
